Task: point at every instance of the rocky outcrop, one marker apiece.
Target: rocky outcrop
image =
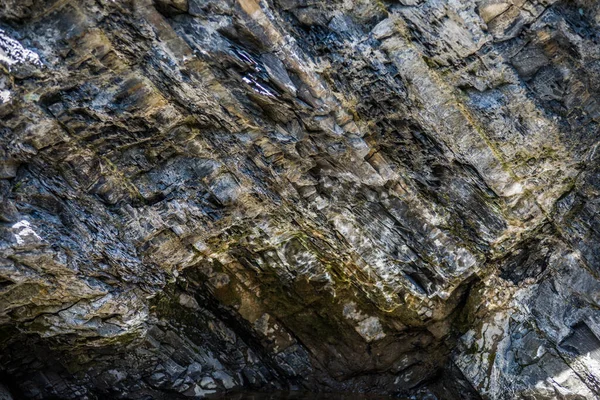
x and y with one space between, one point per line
392 197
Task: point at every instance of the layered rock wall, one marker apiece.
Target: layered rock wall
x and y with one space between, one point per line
393 197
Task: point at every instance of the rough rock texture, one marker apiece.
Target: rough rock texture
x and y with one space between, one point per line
395 197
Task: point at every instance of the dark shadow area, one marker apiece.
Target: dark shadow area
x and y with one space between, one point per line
299 396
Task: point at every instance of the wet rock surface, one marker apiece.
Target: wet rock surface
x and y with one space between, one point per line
394 198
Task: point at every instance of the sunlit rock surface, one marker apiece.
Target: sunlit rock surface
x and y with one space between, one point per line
385 197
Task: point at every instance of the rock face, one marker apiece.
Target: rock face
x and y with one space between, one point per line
394 197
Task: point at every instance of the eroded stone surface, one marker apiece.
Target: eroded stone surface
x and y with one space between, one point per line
394 197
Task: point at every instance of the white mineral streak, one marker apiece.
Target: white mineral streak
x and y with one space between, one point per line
13 53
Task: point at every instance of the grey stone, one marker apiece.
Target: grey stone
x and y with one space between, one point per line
397 198
208 383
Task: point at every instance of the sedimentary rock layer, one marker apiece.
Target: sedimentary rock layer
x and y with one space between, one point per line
393 197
